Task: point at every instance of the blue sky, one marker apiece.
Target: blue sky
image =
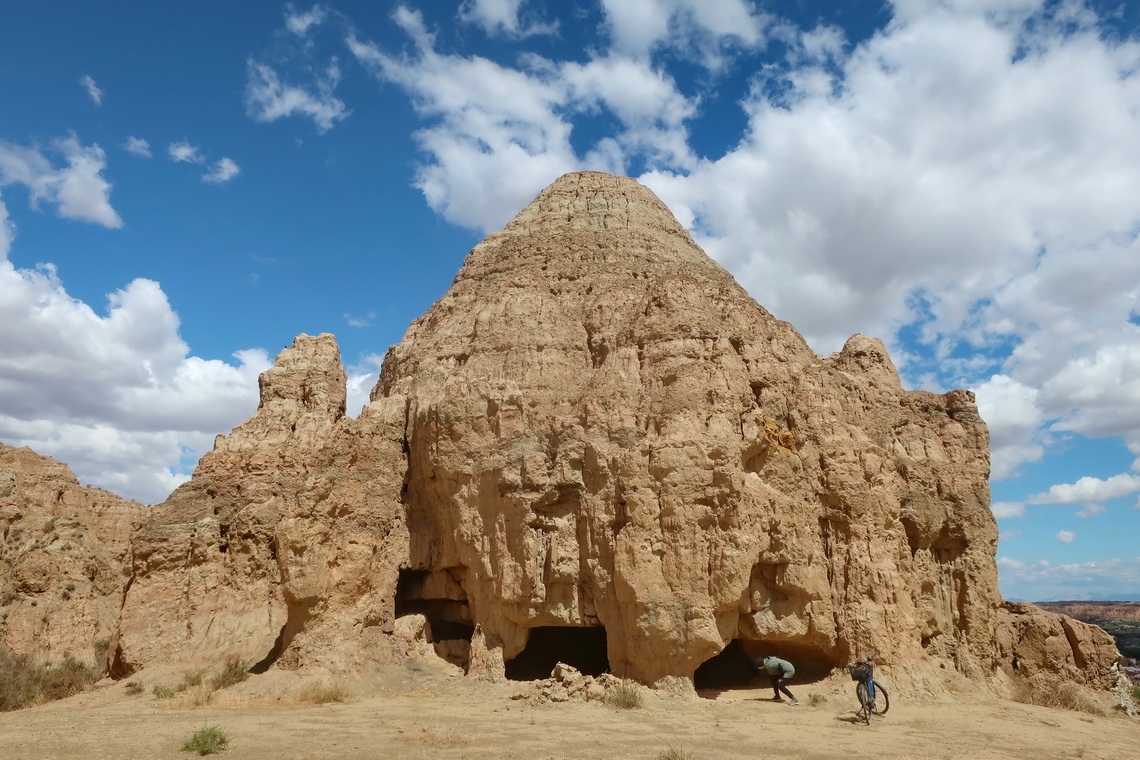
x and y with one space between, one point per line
185 188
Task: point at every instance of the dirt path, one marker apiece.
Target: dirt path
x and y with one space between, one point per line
418 713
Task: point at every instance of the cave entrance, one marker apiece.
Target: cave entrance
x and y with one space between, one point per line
438 595
546 646
731 669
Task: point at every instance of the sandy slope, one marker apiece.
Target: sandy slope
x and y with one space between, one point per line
423 712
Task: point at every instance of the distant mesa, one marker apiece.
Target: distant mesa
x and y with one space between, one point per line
596 449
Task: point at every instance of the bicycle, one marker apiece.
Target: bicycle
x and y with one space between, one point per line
873 696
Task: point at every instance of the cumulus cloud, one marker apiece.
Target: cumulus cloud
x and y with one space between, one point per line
268 98
1066 536
362 377
1041 581
116 395
1016 436
497 134
502 17
1089 490
77 190
223 171
702 28
137 146
1004 509
184 152
92 89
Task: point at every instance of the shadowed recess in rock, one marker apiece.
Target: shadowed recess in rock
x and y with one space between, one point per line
731 669
582 647
437 596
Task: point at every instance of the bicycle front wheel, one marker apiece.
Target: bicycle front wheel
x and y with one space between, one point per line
882 701
866 706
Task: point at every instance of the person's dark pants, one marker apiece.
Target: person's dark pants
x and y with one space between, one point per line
778 686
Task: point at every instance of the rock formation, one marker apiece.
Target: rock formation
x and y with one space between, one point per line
597 449
65 559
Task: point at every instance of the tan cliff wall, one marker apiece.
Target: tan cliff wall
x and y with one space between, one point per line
65 559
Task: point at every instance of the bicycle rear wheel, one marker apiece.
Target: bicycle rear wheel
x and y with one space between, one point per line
882 701
866 706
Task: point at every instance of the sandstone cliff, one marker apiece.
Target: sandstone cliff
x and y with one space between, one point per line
595 448
65 559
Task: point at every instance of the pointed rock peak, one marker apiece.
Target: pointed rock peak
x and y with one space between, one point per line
596 201
595 220
309 375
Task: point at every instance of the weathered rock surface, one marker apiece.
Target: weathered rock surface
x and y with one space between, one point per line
1041 646
288 525
65 558
595 445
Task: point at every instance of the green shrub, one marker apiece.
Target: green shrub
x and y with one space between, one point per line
625 696
206 741
1136 693
164 692
134 688
233 672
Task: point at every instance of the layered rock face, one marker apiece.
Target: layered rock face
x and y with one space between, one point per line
595 440
285 527
65 559
605 430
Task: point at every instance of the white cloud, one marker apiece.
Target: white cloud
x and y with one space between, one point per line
300 23
117 396
365 321
268 98
185 152
224 170
1091 510
137 146
1041 581
702 28
1089 490
1066 536
501 17
1007 535
7 232
78 190
498 134
362 378
1004 509
92 89
1010 411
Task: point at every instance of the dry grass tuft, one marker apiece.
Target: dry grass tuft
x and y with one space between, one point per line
434 735
674 753
1064 695
815 700
322 693
234 672
625 696
24 682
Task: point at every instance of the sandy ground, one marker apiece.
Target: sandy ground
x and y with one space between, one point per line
428 712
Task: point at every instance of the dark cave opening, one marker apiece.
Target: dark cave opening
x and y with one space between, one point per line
731 669
439 596
546 646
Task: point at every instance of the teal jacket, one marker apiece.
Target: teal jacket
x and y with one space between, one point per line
775 666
